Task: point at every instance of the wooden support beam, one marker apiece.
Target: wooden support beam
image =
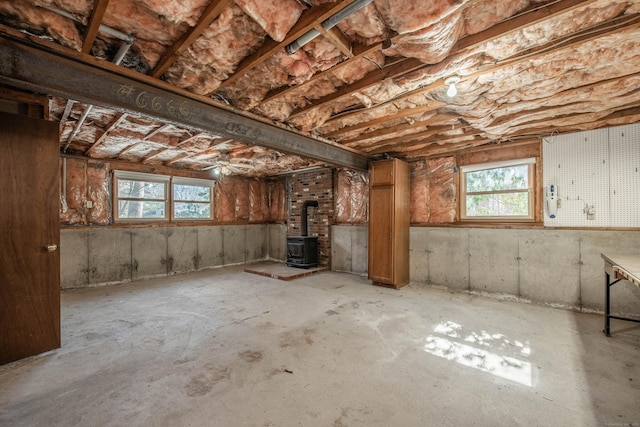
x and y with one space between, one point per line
176 159
119 119
155 153
508 27
309 20
626 22
36 69
420 144
419 136
146 138
129 148
359 52
156 131
437 150
520 21
363 138
407 112
181 143
372 78
213 10
338 39
99 8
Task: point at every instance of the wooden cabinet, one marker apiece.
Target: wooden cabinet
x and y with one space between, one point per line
389 223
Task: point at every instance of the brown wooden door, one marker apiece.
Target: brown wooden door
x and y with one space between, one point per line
29 229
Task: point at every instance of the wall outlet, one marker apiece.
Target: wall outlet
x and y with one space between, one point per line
88 204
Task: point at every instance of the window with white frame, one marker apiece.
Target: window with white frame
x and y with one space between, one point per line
498 191
150 197
192 198
140 196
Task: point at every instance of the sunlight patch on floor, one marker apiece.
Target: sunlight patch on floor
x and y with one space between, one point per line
483 351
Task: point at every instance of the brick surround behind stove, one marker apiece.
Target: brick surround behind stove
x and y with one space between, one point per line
313 185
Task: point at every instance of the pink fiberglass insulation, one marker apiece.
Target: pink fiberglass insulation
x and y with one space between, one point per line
419 205
280 108
406 16
80 8
98 193
264 200
431 44
283 70
277 200
359 68
256 213
73 191
242 198
217 52
442 190
352 197
365 26
40 21
177 12
343 191
359 199
481 15
225 200
133 17
276 17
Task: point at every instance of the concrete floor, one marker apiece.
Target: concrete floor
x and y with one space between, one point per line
228 348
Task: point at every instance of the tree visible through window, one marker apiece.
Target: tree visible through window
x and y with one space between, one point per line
143 196
498 191
138 198
191 201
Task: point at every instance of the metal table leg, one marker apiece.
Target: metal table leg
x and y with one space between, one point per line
607 307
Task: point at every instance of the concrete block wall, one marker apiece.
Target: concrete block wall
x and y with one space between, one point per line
97 256
554 267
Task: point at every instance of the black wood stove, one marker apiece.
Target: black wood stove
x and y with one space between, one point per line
302 251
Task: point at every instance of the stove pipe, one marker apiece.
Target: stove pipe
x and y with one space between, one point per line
303 220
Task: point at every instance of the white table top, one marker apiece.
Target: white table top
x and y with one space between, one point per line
625 266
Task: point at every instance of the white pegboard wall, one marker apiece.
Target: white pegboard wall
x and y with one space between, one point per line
577 164
594 169
624 175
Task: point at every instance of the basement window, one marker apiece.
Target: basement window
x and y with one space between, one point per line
192 198
498 191
150 197
140 196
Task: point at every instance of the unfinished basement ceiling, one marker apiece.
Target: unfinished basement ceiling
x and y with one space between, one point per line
374 83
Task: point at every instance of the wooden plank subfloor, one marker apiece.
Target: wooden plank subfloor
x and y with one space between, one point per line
279 270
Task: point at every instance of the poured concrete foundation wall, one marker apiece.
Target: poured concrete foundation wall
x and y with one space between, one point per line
555 267
96 256
349 248
277 241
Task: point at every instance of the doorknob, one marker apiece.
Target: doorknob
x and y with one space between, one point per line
52 247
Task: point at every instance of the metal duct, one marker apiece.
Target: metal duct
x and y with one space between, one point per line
303 221
122 51
103 28
328 24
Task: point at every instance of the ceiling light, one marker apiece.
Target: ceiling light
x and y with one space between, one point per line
451 82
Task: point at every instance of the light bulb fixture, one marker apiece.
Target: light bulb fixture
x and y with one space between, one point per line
451 82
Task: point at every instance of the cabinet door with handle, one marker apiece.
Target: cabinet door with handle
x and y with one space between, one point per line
381 234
